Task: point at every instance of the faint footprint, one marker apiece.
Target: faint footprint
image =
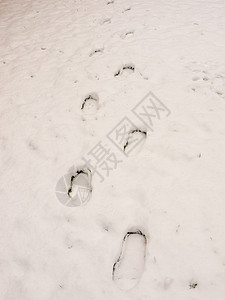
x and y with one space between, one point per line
129 267
127 9
74 189
125 69
106 21
218 85
96 51
110 2
90 105
135 141
127 34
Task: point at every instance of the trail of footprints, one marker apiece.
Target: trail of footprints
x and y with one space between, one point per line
205 80
74 189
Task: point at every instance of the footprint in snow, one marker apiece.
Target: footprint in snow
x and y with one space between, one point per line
125 70
128 268
127 9
135 141
96 51
105 21
208 78
90 105
127 34
216 84
74 189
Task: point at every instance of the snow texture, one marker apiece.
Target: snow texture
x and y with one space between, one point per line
53 55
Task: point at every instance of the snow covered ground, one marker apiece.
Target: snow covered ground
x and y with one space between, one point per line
53 54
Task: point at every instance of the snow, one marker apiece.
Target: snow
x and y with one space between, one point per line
129 267
52 55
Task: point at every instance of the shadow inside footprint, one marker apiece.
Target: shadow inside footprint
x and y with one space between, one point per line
74 189
129 267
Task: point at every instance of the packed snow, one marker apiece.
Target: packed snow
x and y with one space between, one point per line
70 72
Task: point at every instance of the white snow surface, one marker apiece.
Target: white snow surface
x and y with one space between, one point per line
173 190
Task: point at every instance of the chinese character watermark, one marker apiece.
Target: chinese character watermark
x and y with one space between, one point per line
101 160
149 109
74 188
